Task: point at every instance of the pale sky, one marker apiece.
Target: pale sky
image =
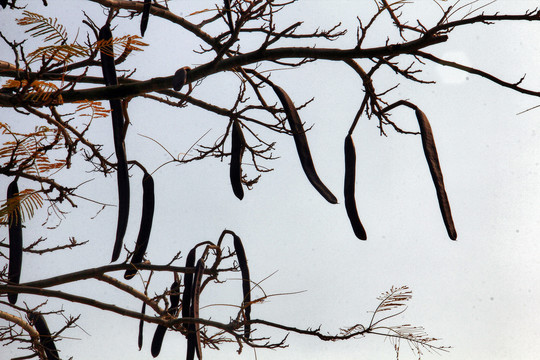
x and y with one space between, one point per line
478 294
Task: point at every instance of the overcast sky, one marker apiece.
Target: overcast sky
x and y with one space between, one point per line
478 294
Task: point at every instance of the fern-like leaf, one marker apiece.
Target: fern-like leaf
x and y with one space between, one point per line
394 298
51 31
61 53
29 146
95 107
125 43
42 26
37 91
28 201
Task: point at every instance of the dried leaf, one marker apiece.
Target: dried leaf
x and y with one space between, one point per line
42 26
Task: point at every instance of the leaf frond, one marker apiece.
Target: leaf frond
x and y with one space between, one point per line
27 148
27 201
42 26
61 53
95 107
125 43
37 91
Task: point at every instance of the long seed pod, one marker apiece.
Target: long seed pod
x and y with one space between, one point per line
146 223
227 7
246 283
145 15
302 146
159 335
188 284
123 203
109 75
157 340
194 335
432 158
238 145
107 55
348 189
15 240
141 327
45 337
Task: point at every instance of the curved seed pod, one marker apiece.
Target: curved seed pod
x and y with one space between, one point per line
45 337
238 145
175 298
227 7
246 283
141 327
157 340
159 335
109 75
146 224
188 284
302 146
123 203
145 15
15 241
194 336
348 189
432 158
180 78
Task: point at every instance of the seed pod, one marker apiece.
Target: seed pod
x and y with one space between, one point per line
194 336
109 75
15 240
238 144
175 298
45 337
227 7
188 284
146 224
157 340
159 335
246 283
430 151
348 189
123 203
180 78
141 327
145 15
302 146
107 56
